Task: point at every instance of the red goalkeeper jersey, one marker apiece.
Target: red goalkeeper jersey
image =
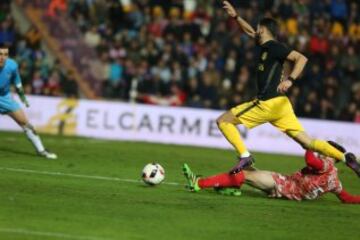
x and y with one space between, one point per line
317 178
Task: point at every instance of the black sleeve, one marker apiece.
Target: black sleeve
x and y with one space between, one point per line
280 51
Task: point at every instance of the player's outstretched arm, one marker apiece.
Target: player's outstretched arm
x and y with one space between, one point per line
18 85
313 161
246 27
299 61
21 93
346 197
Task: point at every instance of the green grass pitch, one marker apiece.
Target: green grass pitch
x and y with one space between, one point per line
91 193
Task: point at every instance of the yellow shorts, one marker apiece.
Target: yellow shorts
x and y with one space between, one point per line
277 111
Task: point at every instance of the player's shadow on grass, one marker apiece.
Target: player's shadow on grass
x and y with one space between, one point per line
16 151
253 193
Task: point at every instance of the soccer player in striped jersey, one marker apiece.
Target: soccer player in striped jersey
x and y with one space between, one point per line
318 177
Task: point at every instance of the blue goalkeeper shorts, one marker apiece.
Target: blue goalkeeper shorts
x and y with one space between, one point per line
7 104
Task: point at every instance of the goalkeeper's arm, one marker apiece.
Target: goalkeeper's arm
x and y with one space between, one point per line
19 88
246 27
346 197
21 93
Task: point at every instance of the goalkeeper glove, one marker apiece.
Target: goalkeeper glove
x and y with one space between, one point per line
22 96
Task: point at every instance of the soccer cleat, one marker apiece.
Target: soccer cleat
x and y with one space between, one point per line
191 178
351 162
47 154
243 163
228 191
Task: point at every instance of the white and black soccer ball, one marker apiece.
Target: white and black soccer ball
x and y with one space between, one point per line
153 174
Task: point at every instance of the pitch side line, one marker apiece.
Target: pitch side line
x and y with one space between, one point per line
48 234
21 170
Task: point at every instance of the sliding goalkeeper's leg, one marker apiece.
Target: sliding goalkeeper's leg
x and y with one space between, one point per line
220 181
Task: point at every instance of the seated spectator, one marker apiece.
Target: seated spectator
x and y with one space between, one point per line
38 84
176 97
92 37
115 78
7 32
33 38
207 92
52 87
311 107
69 86
57 6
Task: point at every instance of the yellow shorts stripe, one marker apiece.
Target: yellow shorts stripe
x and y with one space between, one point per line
248 108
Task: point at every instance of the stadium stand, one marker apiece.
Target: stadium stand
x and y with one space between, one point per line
40 74
153 52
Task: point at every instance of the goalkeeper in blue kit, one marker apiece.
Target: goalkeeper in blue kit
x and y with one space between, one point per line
9 75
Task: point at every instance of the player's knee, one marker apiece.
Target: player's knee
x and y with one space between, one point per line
20 119
225 118
304 140
29 127
22 122
307 145
220 120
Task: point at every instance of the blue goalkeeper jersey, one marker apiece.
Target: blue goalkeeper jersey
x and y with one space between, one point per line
9 74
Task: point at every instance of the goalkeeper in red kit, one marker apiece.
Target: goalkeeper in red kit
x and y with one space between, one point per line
318 177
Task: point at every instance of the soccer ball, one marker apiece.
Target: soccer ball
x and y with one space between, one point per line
153 174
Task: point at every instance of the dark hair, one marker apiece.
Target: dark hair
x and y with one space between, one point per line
271 25
3 45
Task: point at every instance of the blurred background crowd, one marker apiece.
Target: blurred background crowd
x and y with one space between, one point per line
39 75
155 52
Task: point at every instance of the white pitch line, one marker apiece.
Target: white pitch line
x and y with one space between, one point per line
78 175
48 234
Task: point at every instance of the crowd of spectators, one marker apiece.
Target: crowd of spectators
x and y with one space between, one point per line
38 74
155 52
204 60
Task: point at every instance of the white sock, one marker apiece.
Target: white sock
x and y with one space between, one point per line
34 138
245 154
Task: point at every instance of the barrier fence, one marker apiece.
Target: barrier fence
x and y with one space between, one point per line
170 125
